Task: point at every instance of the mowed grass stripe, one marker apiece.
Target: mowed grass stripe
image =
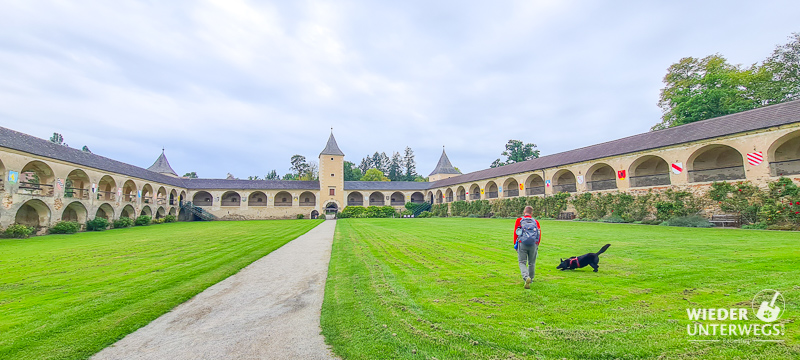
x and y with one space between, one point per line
450 288
69 296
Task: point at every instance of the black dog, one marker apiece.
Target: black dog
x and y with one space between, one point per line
580 261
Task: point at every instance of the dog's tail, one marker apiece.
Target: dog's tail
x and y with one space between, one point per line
603 249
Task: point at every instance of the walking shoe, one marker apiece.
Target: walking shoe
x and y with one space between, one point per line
528 283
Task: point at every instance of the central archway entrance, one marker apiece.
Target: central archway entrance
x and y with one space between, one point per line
331 208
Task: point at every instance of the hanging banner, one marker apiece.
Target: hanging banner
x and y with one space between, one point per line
481 191
621 174
59 184
119 193
521 187
755 158
500 189
13 177
94 188
547 183
580 179
677 168
139 193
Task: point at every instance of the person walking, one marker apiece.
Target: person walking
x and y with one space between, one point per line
527 235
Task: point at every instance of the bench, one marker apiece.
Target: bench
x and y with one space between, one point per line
725 219
566 216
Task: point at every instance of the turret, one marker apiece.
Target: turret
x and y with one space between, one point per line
444 169
162 166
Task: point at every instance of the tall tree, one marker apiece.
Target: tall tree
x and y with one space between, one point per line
290 176
779 75
272 175
366 164
57 139
312 171
253 177
516 151
409 165
299 165
395 172
351 172
190 175
374 175
377 162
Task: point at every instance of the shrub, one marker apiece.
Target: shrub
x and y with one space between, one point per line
690 221
170 219
65 227
158 221
367 212
425 214
755 226
788 227
123 222
677 204
143 220
97 224
652 222
440 210
406 212
300 216
19 231
616 219
473 216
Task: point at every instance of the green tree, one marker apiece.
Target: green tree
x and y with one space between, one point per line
778 78
366 164
516 151
351 172
311 172
374 175
699 89
396 168
299 166
290 176
272 175
190 175
254 177
409 165
57 139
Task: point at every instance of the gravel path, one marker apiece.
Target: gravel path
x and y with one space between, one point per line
268 310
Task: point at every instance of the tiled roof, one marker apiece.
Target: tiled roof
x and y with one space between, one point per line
769 116
222 184
30 144
386 185
444 166
331 148
161 165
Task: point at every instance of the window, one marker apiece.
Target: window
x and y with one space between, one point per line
283 199
332 192
306 200
331 158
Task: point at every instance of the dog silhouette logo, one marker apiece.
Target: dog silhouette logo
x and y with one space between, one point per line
769 308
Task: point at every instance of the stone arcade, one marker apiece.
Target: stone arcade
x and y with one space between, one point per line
43 183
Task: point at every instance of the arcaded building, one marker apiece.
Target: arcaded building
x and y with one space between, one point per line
43 183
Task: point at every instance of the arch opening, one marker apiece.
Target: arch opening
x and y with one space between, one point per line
376 199
36 178
129 191
161 212
474 192
34 213
173 212
76 212
439 197
128 212
283 198
105 211
355 199
202 198
397 199
161 196
461 194
510 188
77 184
649 170
601 177
564 181
784 155
491 190
257 198
314 214
147 194
534 185
716 163
172 195
417 198
106 189
231 198
448 195
146 211
308 199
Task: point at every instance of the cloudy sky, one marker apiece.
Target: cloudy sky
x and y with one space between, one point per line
240 86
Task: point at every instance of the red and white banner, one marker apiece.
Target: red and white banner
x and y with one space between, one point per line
677 168
755 158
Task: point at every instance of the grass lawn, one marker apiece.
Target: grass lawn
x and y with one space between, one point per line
70 296
451 289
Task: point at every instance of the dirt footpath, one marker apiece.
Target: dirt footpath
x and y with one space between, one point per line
269 310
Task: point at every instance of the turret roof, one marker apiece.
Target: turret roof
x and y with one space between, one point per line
444 166
162 165
332 148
